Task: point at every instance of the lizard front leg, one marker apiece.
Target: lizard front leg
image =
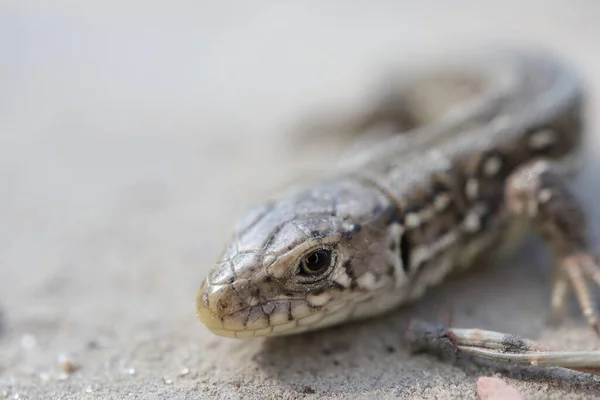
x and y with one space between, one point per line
539 192
536 191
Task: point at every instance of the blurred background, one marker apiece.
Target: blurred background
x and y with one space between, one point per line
133 133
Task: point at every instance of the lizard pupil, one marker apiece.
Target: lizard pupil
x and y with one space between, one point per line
316 262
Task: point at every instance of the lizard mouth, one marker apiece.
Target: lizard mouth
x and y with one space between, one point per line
270 318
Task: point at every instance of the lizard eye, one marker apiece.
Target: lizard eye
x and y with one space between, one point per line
316 262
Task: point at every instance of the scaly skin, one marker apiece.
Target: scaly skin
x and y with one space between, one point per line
411 210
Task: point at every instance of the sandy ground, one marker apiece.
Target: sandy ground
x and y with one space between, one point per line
133 134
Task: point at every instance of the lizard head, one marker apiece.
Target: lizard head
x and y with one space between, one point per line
294 265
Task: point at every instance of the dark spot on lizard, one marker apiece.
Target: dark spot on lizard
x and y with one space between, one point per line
405 252
347 234
443 230
256 293
410 209
350 233
437 188
394 216
350 271
377 209
391 270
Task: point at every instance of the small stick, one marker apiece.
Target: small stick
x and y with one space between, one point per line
497 347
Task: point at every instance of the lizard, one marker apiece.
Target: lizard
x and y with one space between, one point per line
487 143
